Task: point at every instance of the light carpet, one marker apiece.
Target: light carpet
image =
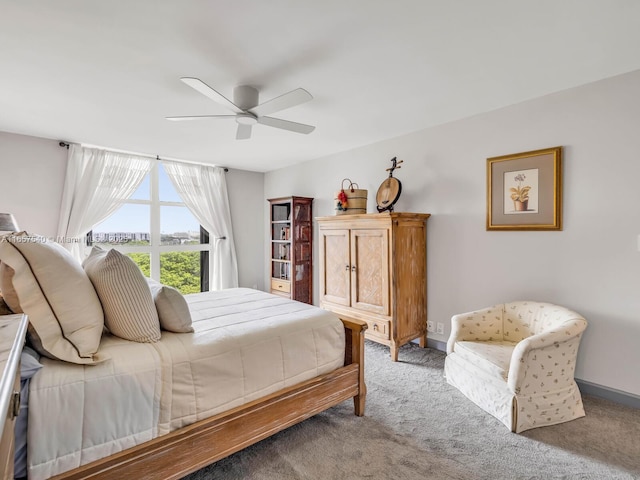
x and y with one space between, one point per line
416 426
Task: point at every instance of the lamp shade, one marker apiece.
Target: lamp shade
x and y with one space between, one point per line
8 223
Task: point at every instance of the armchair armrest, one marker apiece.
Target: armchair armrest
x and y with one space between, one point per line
558 342
485 324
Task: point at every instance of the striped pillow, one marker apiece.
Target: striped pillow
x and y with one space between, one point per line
129 310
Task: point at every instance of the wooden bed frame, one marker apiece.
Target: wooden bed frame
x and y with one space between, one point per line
190 448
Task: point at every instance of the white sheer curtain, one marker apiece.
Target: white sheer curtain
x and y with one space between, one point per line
97 183
203 190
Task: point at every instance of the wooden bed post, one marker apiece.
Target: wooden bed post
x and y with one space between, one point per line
354 353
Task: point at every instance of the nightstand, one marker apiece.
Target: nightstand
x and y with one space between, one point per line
13 329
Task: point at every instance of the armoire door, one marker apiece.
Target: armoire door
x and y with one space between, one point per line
335 266
370 270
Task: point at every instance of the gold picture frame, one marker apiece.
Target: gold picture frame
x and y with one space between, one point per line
524 191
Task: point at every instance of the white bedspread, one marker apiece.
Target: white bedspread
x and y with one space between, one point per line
246 345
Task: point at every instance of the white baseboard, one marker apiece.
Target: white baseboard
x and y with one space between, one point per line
437 344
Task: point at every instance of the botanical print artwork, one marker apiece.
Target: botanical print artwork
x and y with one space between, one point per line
524 191
521 191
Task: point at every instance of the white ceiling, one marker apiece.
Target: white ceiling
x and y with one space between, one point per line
107 72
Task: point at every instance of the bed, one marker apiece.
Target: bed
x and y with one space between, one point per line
254 365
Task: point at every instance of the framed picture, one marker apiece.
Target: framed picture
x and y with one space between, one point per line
524 191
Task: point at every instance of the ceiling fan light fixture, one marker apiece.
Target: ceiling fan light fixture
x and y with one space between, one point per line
246 119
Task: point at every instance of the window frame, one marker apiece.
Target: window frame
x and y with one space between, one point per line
154 248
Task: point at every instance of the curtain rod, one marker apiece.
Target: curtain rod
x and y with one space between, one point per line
157 157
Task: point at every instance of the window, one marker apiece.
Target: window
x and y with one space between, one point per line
160 234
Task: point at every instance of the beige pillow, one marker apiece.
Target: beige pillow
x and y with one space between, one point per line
65 316
173 310
6 287
4 308
129 311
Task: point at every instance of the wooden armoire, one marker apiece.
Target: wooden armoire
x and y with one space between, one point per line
373 268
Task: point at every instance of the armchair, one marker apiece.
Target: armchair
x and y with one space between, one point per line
516 361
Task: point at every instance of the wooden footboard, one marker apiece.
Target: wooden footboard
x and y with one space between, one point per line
190 448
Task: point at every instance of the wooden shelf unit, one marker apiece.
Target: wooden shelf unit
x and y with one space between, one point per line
291 247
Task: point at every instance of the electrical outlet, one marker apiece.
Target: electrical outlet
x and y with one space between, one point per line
430 326
440 328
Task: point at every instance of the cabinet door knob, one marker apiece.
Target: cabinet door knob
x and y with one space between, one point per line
353 268
346 267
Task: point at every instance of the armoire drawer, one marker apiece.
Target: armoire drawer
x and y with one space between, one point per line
379 328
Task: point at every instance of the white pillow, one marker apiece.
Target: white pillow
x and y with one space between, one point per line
65 315
129 311
173 310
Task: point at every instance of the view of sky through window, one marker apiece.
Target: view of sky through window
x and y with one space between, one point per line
133 218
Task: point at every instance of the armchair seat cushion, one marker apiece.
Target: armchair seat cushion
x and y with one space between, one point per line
493 357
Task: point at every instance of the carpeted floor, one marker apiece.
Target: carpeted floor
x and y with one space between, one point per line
418 427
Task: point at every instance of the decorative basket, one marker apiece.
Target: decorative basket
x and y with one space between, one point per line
351 200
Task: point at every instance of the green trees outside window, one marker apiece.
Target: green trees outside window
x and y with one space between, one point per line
180 270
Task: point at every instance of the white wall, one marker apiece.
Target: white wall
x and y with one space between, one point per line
592 266
33 171
246 199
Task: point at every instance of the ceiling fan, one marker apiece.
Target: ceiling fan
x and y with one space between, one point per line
247 111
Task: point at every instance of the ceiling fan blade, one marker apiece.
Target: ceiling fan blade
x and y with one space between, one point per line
207 91
197 117
243 132
287 100
286 125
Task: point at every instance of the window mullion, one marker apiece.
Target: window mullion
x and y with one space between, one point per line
155 223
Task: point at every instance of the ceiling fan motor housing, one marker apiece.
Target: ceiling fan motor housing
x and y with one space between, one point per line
245 97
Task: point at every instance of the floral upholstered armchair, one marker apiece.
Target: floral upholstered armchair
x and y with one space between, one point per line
516 361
